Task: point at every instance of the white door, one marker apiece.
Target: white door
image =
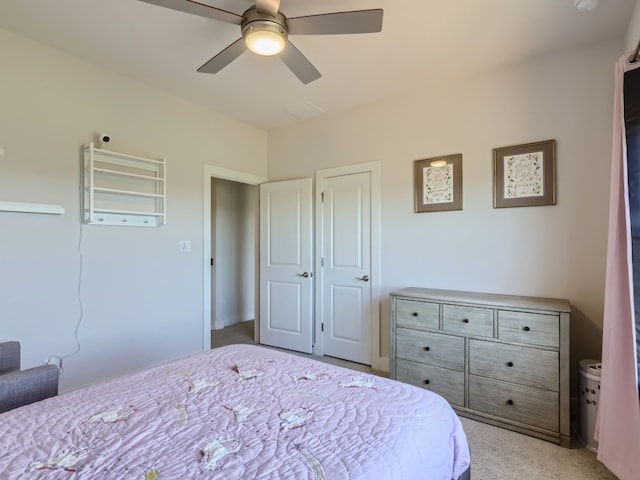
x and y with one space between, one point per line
346 267
286 278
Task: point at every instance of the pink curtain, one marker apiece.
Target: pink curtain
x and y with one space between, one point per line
618 423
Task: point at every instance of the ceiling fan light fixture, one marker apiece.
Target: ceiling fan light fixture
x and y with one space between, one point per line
264 38
265 31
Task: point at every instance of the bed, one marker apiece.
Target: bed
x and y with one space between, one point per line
237 412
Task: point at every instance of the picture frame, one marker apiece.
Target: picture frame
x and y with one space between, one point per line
524 175
438 184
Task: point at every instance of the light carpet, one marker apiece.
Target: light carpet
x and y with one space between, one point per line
499 454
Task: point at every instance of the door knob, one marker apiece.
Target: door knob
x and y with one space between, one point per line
305 274
364 278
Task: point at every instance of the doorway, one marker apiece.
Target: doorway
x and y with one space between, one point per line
234 208
210 299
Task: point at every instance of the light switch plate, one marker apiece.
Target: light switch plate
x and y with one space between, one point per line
185 245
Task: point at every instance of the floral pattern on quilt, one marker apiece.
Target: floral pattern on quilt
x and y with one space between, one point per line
214 451
116 414
295 418
201 384
311 376
359 382
70 459
241 412
152 475
316 467
182 415
247 372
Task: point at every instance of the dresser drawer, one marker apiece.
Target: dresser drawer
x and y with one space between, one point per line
445 382
499 358
417 314
433 348
527 405
467 320
523 365
531 328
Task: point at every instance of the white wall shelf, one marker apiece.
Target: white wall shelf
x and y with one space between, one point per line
22 207
121 189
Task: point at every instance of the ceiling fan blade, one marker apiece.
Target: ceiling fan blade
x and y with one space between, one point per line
359 21
298 64
224 58
201 9
268 6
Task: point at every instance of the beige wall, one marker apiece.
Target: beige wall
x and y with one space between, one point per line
552 251
633 31
142 299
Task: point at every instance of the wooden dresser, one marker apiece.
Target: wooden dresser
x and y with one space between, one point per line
499 359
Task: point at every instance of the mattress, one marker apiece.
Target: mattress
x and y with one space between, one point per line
237 412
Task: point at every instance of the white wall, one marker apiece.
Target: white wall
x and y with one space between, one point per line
552 251
142 299
236 216
633 31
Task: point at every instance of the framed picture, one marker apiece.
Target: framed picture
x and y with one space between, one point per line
524 175
438 184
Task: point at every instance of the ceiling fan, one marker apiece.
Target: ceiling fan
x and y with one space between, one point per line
265 31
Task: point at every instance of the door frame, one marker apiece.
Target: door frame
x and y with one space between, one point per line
210 172
373 168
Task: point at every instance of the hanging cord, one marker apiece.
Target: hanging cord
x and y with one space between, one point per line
634 58
79 296
79 289
55 359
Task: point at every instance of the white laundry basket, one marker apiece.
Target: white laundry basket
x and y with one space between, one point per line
589 400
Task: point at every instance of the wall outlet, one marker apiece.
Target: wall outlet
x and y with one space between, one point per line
54 360
185 245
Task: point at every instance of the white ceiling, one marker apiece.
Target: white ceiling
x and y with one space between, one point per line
422 43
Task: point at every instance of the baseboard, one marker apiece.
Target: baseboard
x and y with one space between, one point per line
218 325
233 320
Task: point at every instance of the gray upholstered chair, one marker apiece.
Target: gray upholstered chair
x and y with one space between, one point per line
22 387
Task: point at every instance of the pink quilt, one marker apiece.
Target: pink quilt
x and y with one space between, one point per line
237 412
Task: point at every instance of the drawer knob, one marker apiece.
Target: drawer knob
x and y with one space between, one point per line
427 382
509 364
414 314
426 349
526 329
465 320
509 402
